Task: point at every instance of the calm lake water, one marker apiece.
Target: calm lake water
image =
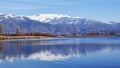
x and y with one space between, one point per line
83 52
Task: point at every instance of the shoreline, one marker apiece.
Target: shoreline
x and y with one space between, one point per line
22 37
39 37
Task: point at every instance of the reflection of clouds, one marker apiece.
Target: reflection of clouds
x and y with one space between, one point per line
8 59
47 56
50 56
12 58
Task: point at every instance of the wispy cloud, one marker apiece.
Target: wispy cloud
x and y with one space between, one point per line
96 0
17 2
25 8
30 5
60 3
22 5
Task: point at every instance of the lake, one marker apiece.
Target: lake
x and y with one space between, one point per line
82 52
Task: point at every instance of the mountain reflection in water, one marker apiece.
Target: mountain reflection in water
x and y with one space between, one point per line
51 49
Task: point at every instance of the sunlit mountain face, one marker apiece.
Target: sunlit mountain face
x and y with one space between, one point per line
56 24
46 50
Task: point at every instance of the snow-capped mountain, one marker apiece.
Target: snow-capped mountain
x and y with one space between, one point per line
60 18
55 23
48 17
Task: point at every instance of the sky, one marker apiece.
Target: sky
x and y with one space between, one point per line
103 10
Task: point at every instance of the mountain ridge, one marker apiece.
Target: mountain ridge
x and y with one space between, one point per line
56 24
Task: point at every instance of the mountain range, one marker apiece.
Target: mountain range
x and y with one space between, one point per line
56 24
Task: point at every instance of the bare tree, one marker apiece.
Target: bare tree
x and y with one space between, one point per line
18 31
1 29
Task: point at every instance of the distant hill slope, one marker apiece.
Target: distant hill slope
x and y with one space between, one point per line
55 23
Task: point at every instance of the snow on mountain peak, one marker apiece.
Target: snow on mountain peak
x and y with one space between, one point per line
10 15
47 17
7 15
53 15
53 19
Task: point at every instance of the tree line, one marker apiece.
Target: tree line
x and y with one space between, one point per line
20 33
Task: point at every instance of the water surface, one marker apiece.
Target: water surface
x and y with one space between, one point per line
83 52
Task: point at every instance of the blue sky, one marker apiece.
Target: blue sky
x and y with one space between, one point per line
105 10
